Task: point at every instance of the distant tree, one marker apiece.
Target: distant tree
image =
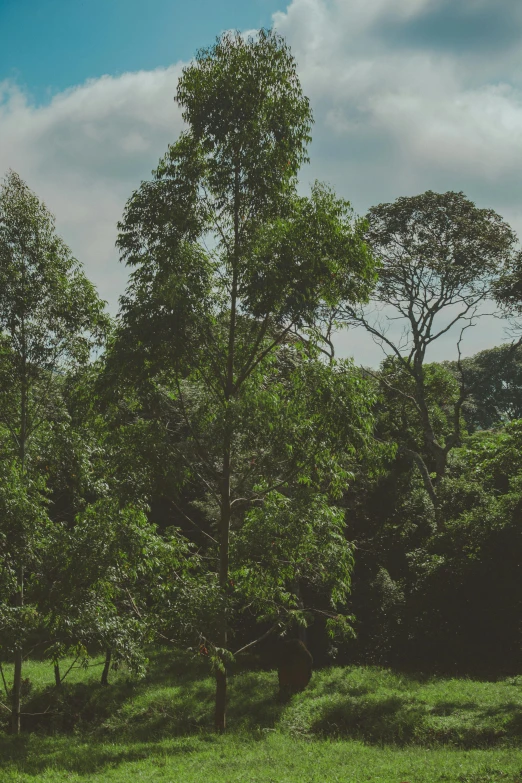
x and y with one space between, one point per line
464 597
507 288
50 320
440 255
439 589
494 380
229 262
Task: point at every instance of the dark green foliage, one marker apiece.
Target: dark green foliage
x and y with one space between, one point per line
508 287
50 321
447 600
25 531
243 101
439 234
494 380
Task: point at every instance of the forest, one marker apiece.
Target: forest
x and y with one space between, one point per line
199 478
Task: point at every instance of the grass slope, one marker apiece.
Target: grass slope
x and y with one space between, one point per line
353 724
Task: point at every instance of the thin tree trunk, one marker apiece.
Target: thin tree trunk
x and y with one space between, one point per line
226 508
2 675
19 599
17 686
221 700
106 667
301 629
57 678
423 470
221 674
18 658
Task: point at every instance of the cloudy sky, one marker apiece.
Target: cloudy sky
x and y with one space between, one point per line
408 95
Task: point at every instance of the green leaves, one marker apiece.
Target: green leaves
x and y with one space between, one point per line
291 541
439 234
51 320
312 257
507 288
48 309
50 316
225 252
25 531
243 102
167 311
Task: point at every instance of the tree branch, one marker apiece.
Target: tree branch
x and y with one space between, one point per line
272 630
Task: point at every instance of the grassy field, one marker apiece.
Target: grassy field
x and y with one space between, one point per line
351 725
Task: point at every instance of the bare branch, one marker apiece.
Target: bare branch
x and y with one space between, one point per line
247 371
423 470
3 680
248 646
191 521
381 379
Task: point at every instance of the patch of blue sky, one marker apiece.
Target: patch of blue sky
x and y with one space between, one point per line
50 45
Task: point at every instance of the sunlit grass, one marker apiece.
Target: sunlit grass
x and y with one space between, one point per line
275 758
378 706
351 724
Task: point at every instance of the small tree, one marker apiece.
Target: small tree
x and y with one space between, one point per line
229 262
114 574
440 255
50 320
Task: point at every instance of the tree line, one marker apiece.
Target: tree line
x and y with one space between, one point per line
202 471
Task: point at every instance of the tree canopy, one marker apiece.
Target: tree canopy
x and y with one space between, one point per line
440 256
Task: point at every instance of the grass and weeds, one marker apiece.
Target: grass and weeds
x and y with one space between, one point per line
352 724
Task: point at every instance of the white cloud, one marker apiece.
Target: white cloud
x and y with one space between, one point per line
391 120
423 107
85 153
398 121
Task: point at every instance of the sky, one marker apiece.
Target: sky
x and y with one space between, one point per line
408 96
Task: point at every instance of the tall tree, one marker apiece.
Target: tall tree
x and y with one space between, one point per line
440 255
50 320
229 262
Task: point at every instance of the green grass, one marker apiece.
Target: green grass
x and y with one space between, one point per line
235 759
353 724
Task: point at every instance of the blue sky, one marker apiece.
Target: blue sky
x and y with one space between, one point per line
408 96
49 45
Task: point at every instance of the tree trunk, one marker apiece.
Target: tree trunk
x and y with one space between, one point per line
106 667
301 629
18 658
423 470
221 701
436 451
221 674
19 600
226 508
57 677
441 463
17 687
